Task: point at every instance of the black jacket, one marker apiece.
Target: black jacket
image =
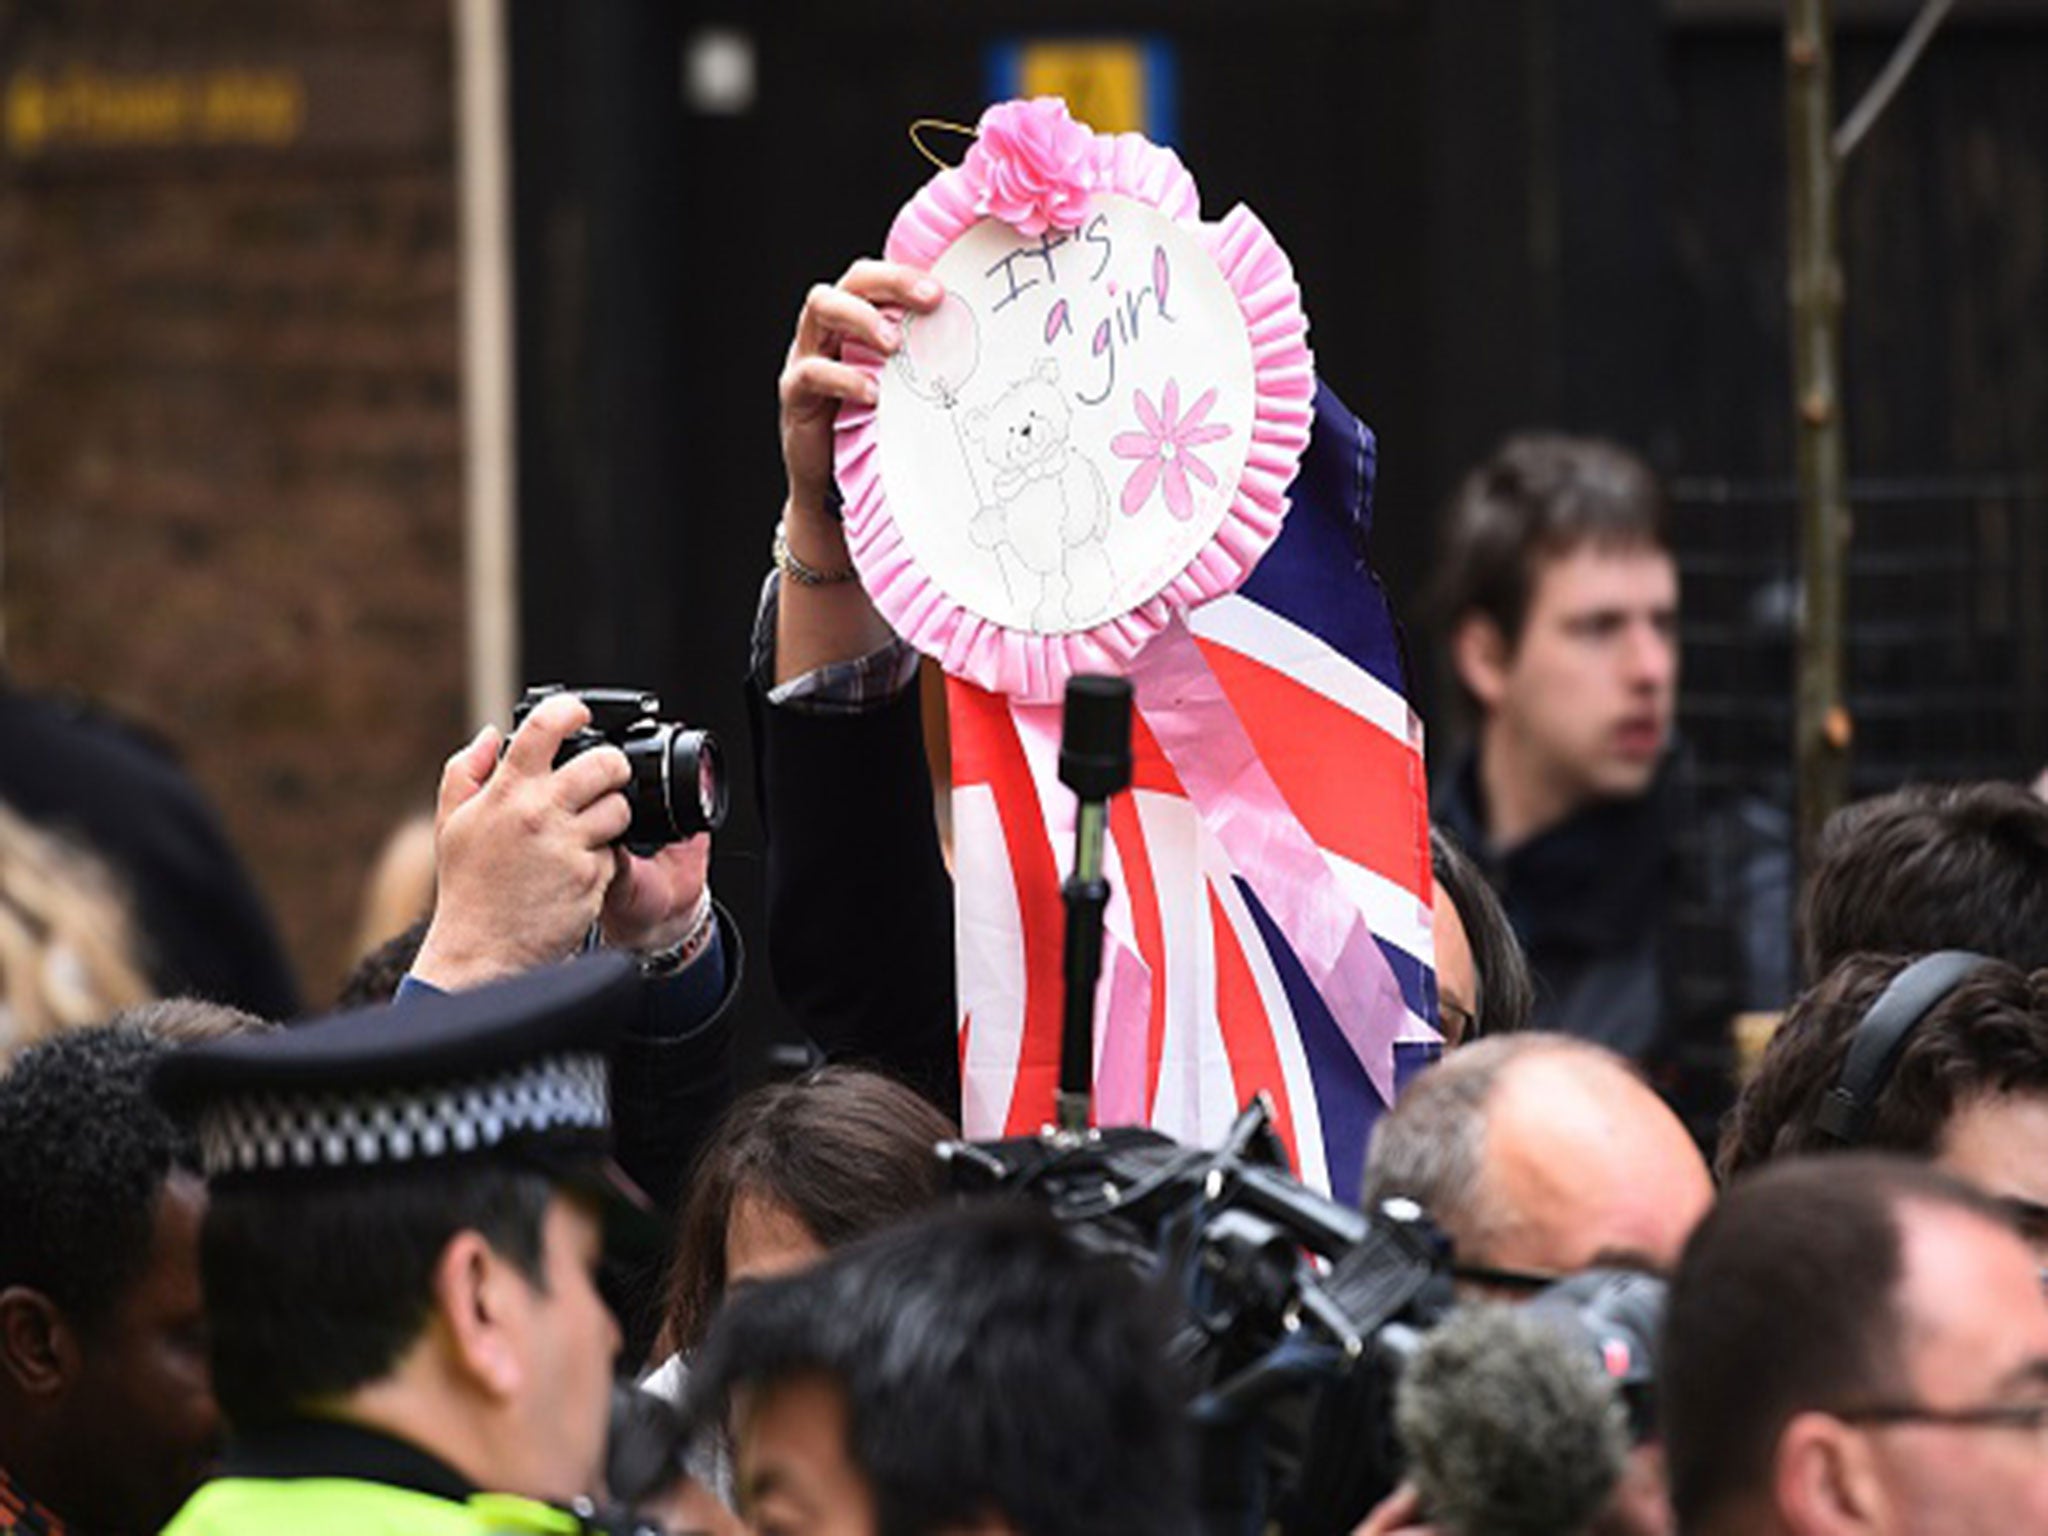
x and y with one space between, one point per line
1649 922
860 906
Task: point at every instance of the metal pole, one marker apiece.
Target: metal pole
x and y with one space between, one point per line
1822 730
491 555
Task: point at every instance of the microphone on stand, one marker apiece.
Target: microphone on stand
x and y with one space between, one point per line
1095 763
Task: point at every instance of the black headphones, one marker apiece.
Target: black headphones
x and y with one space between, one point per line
1881 1035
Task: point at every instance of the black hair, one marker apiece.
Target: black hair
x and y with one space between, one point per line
314 1291
1786 1301
1989 1035
990 1368
84 1154
1506 990
1930 866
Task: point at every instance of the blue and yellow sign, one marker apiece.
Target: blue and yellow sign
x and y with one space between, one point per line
1113 84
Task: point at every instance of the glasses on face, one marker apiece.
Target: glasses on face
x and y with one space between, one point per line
1460 1023
1521 1281
2029 1417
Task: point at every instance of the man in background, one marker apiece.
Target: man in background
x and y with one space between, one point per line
1647 928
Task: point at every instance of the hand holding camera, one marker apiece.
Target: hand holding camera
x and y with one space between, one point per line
534 837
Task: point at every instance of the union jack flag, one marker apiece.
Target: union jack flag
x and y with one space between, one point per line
1269 922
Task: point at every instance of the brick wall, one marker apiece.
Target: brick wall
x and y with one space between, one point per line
230 429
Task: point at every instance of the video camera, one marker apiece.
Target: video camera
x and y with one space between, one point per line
1326 1350
1298 1311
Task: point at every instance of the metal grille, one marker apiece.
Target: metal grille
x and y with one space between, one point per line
1947 640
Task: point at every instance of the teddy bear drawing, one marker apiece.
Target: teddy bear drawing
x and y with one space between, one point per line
1047 512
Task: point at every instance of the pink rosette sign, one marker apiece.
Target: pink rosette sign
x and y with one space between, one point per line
1095 431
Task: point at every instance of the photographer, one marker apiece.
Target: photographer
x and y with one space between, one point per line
527 863
527 860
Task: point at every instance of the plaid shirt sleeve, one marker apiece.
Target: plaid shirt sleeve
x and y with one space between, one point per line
837 688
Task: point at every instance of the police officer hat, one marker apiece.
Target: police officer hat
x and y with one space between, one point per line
516 1070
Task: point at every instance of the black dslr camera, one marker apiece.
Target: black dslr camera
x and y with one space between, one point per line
678 784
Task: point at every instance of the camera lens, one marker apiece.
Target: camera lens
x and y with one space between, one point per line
696 787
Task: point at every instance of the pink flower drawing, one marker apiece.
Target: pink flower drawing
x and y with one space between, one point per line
1165 450
1032 166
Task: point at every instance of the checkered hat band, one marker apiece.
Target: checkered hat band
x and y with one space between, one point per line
262 1133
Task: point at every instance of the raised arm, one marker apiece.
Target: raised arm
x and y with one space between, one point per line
822 622
860 908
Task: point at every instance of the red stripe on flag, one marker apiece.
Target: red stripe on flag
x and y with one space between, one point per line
1149 767
1343 776
986 750
1247 1031
1136 859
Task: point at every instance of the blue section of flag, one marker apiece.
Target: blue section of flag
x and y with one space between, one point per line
1346 1106
1416 980
1317 575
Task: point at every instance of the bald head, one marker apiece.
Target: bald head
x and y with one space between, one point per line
1540 1152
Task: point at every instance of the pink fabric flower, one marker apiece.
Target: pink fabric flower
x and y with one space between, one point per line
1165 450
1032 166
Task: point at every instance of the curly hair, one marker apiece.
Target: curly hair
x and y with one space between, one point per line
85 1153
1987 1036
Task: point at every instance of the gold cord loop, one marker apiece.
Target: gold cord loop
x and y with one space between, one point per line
938 124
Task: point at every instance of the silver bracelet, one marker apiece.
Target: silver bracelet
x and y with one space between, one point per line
695 940
795 570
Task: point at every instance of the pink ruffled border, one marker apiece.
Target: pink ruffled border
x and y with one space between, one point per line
1035 667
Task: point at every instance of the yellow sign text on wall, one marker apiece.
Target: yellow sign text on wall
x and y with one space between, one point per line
1103 81
84 108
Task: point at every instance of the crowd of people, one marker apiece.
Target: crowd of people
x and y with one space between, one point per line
503 1245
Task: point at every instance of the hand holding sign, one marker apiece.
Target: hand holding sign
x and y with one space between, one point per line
815 382
1094 430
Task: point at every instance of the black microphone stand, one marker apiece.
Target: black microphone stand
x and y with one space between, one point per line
1095 763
